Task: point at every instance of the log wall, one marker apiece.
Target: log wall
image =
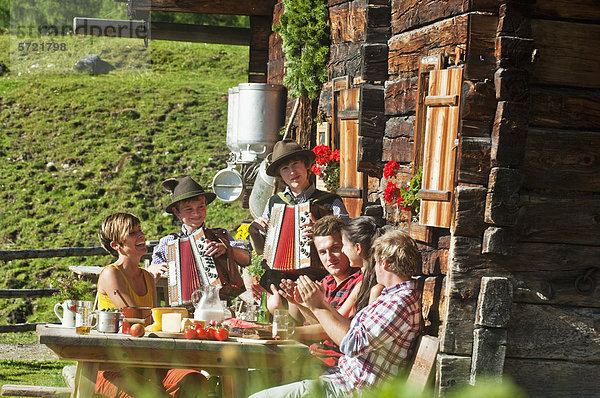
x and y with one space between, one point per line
527 193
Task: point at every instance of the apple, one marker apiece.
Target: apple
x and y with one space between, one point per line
137 330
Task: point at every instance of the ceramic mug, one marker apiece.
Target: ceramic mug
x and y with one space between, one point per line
69 308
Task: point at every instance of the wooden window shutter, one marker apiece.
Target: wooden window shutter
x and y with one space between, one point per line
345 104
435 143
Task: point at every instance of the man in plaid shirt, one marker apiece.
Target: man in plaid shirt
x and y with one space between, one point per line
382 336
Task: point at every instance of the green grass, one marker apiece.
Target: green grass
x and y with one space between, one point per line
40 373
75 148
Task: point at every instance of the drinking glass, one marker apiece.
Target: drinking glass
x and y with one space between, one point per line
83 317
281 324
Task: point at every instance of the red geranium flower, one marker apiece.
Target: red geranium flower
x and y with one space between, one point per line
323 153
400 200
391 168
335 155
391 192
316 169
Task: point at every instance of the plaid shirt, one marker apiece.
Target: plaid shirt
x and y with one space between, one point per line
159 254
336 294
380 339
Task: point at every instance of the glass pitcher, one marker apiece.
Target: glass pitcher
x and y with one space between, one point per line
207 304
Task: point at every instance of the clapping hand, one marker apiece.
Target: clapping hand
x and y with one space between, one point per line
311 292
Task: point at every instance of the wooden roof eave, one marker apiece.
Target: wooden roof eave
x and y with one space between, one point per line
223 7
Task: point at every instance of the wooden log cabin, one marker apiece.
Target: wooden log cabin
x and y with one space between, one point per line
499 101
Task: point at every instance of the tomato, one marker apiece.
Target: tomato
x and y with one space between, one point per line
222 334
211 334
189 333
201 333
212 323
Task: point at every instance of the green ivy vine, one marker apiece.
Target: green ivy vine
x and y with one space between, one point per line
304 29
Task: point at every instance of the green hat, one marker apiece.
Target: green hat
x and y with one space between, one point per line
185 188
285 150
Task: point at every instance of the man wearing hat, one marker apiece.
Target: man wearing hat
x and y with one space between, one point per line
292 163
188 203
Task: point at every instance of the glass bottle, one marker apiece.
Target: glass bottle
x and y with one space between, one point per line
263 315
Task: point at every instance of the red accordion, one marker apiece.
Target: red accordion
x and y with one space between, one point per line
189 268
285 248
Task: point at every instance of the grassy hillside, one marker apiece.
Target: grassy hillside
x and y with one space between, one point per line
76 147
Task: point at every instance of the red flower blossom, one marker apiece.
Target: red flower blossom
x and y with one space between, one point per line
335 155
323 153
316 169
391 168
400 200
391 192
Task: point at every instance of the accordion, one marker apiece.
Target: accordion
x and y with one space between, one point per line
285 248
189 268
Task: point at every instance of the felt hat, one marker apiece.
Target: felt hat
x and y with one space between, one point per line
285 150
185 188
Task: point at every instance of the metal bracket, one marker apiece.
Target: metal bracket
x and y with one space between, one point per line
585 284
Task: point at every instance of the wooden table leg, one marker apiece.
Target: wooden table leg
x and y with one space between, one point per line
85 379
235 383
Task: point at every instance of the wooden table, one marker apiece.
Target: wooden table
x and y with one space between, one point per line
111 351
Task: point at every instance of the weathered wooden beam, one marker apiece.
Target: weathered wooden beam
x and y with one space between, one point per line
566 108
480 61
421 233
498 240
489 350
226 7
514 52
553 379
371 115
554 332
495 302
19 390
6 255
409 14
509 134
400 127
18 328
399 149
562 161
566 53
377 28
344 59
374 62
369 155
452 373
24 293
584 10
473 162
502 203
162 31
406 49
512 85
478 101
468 215
347 21
514 20
401 96
559 219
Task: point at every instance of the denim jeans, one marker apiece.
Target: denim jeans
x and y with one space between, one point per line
303 388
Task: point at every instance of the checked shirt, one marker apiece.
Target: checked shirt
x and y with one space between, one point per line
381 338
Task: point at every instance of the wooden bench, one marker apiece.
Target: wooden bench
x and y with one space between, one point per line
424 361
18 390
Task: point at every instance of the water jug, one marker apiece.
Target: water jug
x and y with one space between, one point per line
207 304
